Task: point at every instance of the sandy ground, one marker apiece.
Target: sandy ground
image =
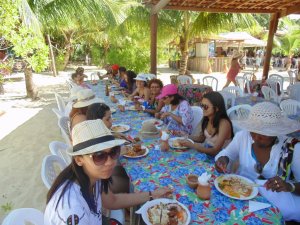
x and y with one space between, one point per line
27 128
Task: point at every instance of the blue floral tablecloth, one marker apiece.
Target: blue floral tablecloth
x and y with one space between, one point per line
170 168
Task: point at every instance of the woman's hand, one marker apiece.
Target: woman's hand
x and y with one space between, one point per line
278 185
165 114
221 164
186 143
164 192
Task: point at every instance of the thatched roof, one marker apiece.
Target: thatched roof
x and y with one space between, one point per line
283 7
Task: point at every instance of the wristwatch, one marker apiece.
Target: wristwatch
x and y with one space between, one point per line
292 185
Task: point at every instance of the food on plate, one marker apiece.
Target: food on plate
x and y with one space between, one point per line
137 139
176 143
167 214
118 128
135 150
235 187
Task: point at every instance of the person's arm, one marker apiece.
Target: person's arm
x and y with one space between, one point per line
198 135
120 201
134 93
178 119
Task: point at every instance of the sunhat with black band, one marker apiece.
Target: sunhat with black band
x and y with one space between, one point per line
86 97
92 136
266 119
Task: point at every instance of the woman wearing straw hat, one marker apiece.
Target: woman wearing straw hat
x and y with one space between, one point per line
141 91
80 190
234 69
265 154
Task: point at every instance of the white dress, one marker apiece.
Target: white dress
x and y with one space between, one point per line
240 149
72 208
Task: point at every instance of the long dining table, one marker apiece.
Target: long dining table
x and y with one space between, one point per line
170 168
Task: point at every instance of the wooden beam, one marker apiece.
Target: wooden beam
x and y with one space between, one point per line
153 44
200 3
162 3
261 3
212 3
272 30
295 9
220 10
228 3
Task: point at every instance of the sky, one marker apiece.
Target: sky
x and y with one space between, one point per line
294 16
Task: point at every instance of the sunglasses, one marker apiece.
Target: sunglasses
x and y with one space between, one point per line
100 158
204 106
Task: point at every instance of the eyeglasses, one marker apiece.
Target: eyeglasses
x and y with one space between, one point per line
204 106
100 158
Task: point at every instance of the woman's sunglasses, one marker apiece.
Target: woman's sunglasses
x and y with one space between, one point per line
100 158
203 106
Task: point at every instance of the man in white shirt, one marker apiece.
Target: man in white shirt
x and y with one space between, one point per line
263 153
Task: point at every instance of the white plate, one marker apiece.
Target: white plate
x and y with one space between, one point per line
143 210
113 110
131 108
171 140
156 122
139 156
126 128
246 180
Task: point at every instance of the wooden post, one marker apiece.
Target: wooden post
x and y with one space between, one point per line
52 57
153 44
272 30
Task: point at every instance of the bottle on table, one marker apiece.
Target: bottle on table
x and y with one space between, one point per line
106 90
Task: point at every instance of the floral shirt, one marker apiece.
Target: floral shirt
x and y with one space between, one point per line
183 110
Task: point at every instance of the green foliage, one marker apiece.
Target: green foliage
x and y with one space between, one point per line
97 55
59 60
27 43
7 207
131 57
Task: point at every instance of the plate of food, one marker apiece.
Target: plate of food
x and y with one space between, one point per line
236 187
174 142
131 108
165 211
156 122
136 151
120 128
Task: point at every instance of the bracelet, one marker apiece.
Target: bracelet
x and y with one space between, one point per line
150 196
292 185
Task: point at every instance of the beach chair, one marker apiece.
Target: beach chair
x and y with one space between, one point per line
64 125
211 81
184 79
24 216
290 106
294 91
273 84
52 165
238 112
248 76
60 149
197 114
242 82
292 76
61 105
57 113
229 98
279 79
269 94
238 92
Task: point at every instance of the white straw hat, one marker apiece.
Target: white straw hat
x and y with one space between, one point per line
86 97
149 130
141 77
92 136
73 92
266 119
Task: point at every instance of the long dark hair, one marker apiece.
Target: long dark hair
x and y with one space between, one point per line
73 173
130 79
177 99
217 101
96 111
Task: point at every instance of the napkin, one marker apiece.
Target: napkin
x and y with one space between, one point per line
203 179
164 136
255 206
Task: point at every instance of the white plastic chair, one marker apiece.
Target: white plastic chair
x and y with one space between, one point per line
273 84
238 92
211 81
57 113
60 149
294 91
242 82
279 79
184 79
52 165
197 114
292 76
229 98
64 125
248 76
269 94
290 106
61 105
238 112
24 216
